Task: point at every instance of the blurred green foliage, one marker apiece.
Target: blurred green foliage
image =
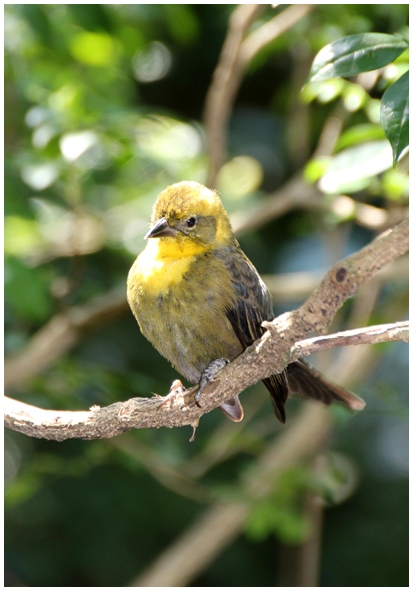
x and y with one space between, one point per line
103 109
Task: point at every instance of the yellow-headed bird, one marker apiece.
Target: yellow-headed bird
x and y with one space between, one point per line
199 300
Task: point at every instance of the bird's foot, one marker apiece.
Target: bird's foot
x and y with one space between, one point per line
231 408
208 375
175 396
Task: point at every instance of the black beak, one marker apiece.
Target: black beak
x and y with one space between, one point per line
161 228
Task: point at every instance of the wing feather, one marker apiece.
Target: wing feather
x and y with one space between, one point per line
251 307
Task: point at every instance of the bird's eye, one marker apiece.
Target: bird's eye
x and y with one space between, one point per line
190 222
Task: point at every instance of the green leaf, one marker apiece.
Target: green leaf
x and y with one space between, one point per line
394 115
354 54
358 134
352 169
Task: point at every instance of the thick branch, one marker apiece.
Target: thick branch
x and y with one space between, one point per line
270 354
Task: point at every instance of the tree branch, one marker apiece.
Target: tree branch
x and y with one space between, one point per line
224 85
222 522
278 347
61 333
399 331
237 52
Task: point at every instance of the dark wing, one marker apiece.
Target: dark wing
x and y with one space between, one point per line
305 381
251 308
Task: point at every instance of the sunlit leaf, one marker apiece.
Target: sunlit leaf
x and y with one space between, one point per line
355 54
325 91
315 169
394 115
354 97
352 169
166 138
365 132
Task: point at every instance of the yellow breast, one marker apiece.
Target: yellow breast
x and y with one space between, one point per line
158 267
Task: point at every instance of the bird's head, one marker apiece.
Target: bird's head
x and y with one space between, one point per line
190 218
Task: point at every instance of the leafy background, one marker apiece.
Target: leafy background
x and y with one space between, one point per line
103 109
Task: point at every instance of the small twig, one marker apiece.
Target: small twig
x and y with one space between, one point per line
399 331
269 31
331 131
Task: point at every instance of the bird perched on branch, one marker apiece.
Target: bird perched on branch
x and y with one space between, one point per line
200 301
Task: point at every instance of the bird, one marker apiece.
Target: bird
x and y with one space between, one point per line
201 302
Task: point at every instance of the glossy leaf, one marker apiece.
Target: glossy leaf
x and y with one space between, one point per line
394 115
354 54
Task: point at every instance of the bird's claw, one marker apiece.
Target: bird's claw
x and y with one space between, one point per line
175 396
208 375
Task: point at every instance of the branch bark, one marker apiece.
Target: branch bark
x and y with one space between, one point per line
278 347
398 331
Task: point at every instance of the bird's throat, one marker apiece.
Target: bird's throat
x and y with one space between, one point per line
162 264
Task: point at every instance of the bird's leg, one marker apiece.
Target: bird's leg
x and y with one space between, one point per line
208 375
231 408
